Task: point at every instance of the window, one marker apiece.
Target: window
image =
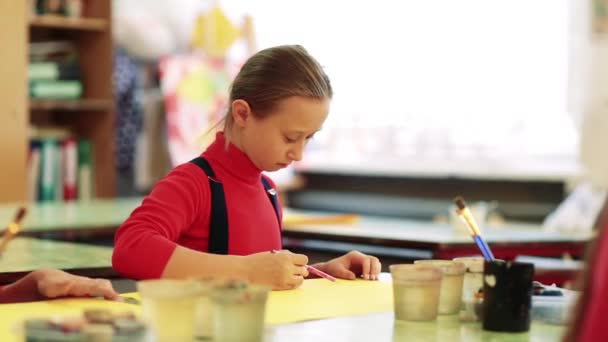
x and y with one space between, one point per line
468 87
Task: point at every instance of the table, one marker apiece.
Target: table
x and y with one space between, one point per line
24 255
99 216
404 237
438 240
353 311
411 240
382 327
385 237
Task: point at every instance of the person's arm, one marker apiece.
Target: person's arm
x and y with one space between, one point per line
51 283
281 271
146 248
352 265
147 239
23 290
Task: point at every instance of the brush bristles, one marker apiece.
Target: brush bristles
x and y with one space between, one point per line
20 215
460 203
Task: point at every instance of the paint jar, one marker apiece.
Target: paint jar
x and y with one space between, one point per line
450 296
507 295
169 307
415 291
472 288
203 318
238 312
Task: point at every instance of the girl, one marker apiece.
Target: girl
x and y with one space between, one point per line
218 216
52 283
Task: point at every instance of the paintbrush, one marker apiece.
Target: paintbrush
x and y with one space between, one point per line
465 213
12 229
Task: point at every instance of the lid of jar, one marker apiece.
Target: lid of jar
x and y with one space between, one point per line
473 264
448 267
415 272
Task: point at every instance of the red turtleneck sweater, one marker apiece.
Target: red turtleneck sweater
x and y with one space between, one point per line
593 324
177 212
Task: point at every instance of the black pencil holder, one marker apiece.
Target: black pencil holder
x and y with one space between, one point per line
507 296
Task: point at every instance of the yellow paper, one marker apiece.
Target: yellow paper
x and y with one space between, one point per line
290 219
321 298
315 299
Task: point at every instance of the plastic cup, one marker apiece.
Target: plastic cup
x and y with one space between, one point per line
238 312
450 297
203 328
472 287
169 307
415 292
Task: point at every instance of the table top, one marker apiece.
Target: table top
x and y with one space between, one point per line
353 311
379 327
383 327
24 255
433 233
99 214
72 216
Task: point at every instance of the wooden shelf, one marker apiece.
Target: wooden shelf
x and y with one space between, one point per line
72 105
91 118
65 23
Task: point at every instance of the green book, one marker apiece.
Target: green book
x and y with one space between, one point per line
49 151
85 170
56 89
52 70
43 71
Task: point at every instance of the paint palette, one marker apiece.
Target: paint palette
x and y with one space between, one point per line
553 309
93 325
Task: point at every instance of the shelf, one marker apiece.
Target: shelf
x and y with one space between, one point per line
65 23
72 105
91 117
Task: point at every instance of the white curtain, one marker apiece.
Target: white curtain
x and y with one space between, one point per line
588 87
588 95
461 87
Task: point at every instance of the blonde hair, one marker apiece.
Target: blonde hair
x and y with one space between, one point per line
274 74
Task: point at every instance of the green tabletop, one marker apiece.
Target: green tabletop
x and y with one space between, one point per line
108 214
24 255
77 216
430 232
382 327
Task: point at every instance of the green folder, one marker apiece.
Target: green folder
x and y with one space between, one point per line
48 169
86 188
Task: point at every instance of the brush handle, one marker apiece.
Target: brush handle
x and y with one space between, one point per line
320 273
485 249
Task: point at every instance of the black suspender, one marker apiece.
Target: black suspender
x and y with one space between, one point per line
218 223
272 195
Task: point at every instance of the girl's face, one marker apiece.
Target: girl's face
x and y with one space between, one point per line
278 139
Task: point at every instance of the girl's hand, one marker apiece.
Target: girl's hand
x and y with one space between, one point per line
52 283
351 265
281 270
